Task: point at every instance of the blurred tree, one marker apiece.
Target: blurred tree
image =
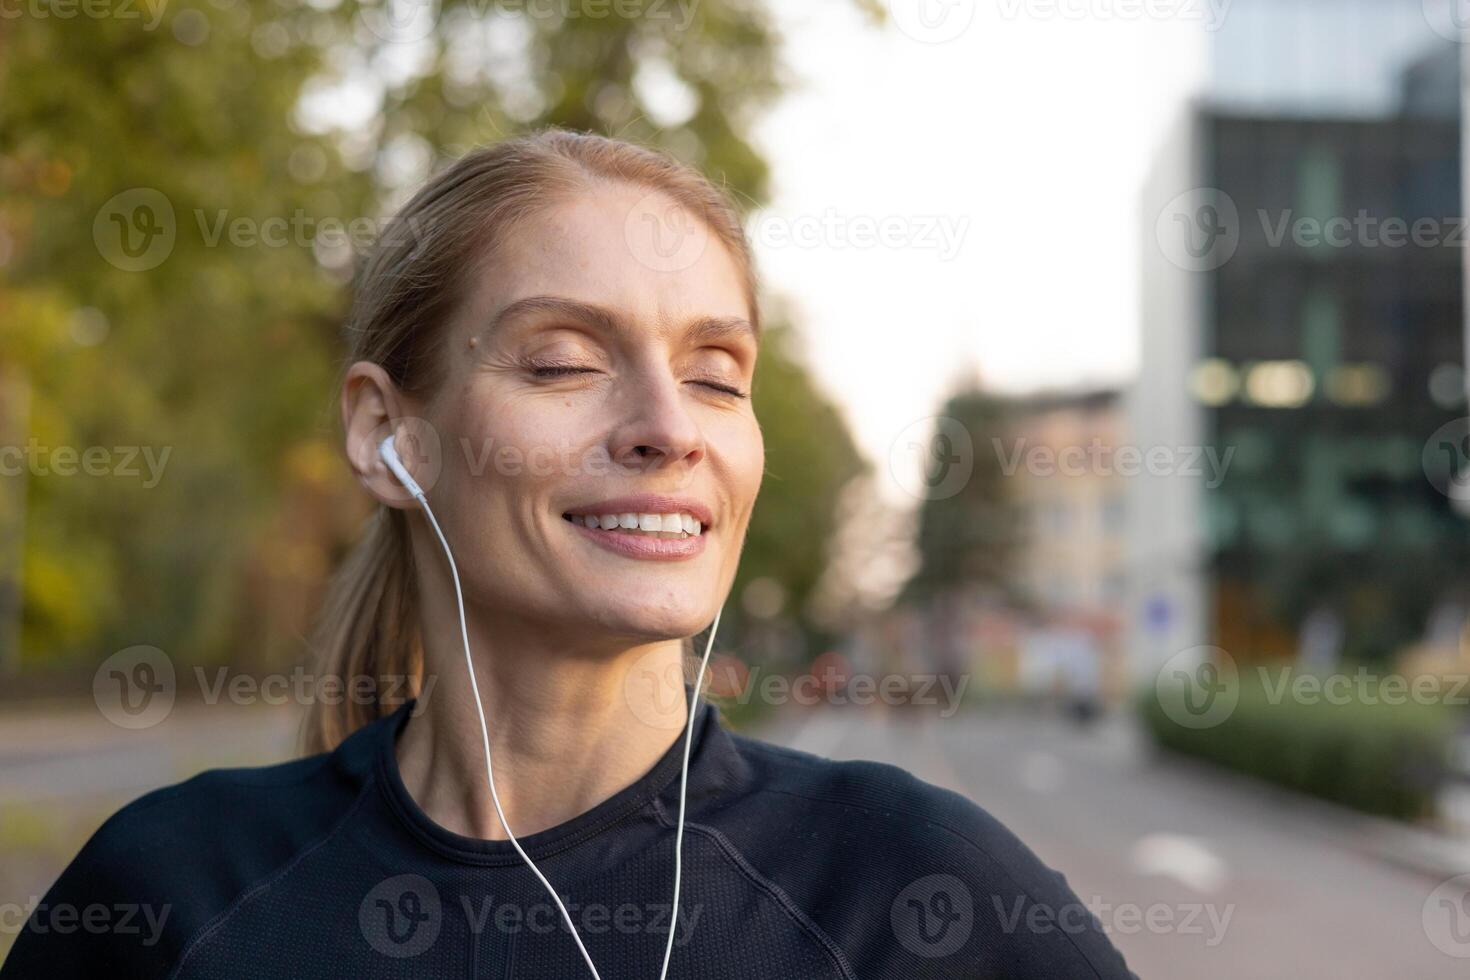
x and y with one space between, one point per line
183 186
810 456
966 539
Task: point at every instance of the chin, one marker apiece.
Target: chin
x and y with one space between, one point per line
653 624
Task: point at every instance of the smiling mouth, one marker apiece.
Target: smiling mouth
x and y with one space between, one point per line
679 526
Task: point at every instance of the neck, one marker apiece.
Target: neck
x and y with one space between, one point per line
567 729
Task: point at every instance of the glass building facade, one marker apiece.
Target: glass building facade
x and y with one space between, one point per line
1330 346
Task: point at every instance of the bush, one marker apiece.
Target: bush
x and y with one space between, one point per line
1356 748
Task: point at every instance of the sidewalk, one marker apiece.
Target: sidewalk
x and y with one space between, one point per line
1422 849
65 750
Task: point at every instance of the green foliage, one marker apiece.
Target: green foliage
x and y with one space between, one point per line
1362 750
224 354
810 455
208 356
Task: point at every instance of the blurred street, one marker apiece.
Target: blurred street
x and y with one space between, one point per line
1304 895
64 768
1240 881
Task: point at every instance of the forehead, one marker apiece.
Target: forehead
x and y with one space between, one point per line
620 247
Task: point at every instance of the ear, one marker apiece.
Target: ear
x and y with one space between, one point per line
373 408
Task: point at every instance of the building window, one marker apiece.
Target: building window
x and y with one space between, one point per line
1279 384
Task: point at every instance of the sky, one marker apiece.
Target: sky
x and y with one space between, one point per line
944 205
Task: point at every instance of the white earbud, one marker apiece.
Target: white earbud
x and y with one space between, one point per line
389 456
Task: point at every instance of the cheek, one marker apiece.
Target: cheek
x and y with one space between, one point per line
531 442
745 453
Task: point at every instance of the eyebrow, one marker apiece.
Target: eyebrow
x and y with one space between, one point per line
703 328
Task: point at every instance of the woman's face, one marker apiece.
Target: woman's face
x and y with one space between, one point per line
603 352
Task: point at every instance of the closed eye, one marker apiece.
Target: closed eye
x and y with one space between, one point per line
722 388
559 370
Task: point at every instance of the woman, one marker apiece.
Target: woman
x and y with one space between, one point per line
556 340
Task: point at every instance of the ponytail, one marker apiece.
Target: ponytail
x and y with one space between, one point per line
367 637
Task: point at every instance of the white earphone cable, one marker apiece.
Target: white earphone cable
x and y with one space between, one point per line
684 793
490 772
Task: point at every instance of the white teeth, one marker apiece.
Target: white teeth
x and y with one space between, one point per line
664 524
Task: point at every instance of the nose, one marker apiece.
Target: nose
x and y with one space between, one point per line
658 431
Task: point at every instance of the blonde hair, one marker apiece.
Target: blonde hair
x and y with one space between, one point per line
413 278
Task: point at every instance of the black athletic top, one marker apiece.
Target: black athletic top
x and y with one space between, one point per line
795 868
